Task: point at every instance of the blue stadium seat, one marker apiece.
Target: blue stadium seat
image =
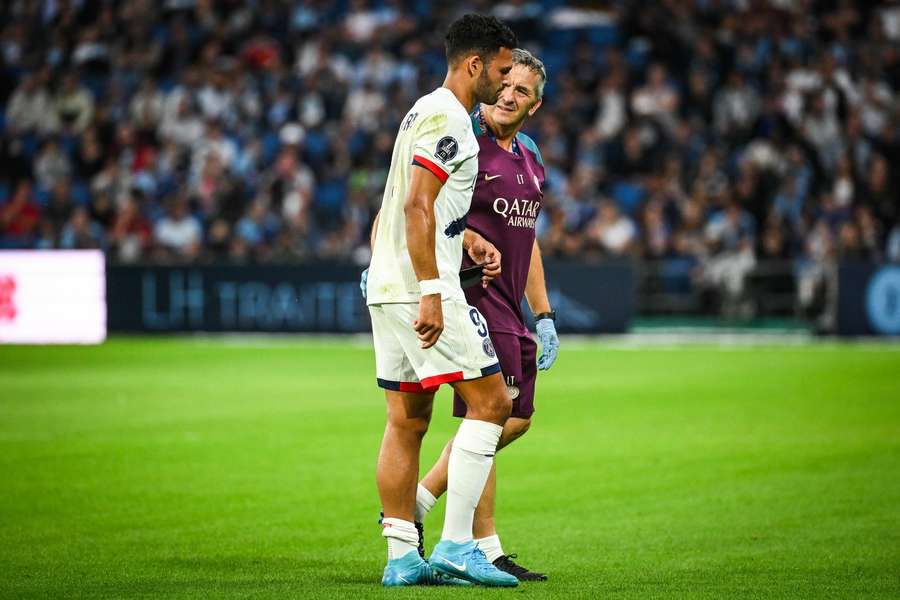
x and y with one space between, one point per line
637 54
315 147
30 146
269 147
330 195
560 39
81 193
603 36
41 195
628 196
69 143
676 274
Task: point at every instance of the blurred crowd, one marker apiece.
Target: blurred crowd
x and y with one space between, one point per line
717 133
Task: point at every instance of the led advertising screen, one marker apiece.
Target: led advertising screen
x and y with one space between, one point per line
52 297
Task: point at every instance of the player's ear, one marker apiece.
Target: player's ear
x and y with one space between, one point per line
474 65
536 106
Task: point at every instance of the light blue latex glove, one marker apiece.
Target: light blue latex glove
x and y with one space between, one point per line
546 333
362 282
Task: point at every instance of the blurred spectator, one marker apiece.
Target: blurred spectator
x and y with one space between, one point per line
611 109
29 107
878 192
656 234
893 244
258 228
52 165
730 237
90 156
736 108
59 208
80 232
130 235
146 108
363 108
612 231
73 105
656 98
178 233
19 218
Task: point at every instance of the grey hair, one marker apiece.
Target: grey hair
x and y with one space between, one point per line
525 58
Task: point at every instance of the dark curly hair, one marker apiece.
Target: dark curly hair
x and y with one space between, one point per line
478 34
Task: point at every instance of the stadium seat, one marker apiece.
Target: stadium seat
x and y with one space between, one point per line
628 196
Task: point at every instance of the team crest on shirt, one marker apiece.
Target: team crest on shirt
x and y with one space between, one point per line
446 149
488 347
513 391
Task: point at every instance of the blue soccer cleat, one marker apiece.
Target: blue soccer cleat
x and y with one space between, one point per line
410 569
467 561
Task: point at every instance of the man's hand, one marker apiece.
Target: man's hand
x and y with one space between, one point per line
362 282
546 333
430 323
484 253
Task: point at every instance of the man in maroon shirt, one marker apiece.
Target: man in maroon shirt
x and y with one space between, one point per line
505 206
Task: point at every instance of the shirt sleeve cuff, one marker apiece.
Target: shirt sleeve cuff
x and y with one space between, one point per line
423 162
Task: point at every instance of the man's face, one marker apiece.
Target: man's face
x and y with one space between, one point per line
518 98
490 83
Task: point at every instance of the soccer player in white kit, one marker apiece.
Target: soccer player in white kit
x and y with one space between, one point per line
424 331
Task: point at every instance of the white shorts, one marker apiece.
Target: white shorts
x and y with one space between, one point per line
464 350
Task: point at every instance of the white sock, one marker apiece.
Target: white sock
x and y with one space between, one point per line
491 547
470 464
424 502
401 535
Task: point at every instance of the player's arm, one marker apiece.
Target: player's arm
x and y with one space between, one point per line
374 230
539 301
418 209
364 276
535 286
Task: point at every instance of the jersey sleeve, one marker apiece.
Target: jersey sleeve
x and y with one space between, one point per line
529 143
440 144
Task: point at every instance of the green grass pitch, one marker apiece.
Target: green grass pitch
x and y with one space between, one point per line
202 468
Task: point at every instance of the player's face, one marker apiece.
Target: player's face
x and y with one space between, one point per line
492 77
518 99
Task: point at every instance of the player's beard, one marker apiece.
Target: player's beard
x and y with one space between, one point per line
484 92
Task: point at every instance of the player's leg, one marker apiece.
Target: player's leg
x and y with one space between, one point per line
474 372
408 415
520 381
469 464
472 452
507 349
483 525
518 357
522 389
509 352
434 484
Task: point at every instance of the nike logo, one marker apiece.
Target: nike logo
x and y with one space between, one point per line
403 579
490 177
461 567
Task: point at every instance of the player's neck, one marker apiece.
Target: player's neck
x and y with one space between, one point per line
504 135
462 90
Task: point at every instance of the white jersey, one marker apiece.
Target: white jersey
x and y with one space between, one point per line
437 135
